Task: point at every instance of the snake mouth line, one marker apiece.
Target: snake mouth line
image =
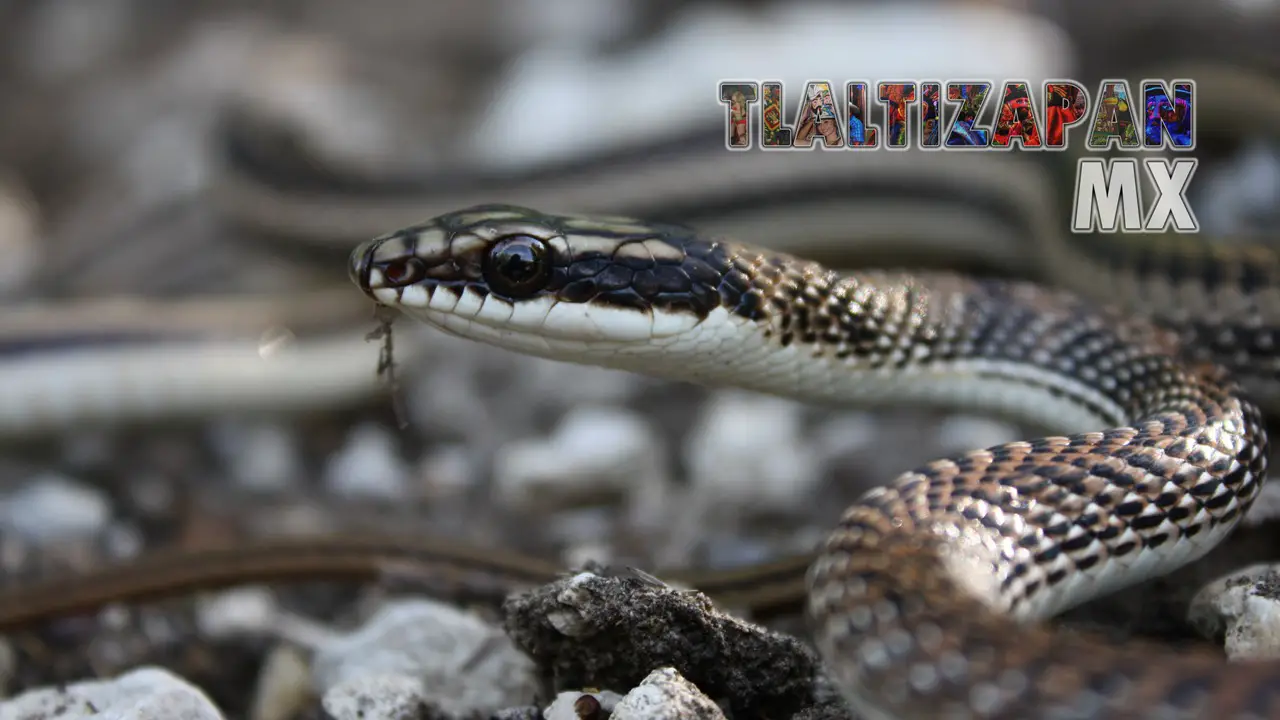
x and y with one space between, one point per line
542 320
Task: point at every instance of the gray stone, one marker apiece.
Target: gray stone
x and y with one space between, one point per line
592 631
143 694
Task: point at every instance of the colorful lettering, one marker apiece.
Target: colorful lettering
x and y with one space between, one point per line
862 133
775 133
897 98
1016 119
739 96
951 112
1169 120
1113 118
930 115
1065 105
972 99
818 117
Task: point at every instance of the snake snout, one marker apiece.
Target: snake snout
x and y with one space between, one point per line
359 263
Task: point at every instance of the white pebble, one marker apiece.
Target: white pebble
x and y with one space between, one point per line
368 466
748 451
52 507
143 694
593 453
262 456
666 695
377 697
463 665
248 610
572 603
1244 607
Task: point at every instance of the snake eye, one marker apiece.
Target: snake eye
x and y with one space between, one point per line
403 271
517 266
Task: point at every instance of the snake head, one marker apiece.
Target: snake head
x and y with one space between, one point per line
520 278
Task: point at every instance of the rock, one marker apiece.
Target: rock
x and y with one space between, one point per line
368 467
260 456
665 695
749 451
53 507
248 610
1243 609
593 631
380 697
594 453
428 653
143 694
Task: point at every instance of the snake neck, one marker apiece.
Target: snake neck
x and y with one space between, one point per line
790 327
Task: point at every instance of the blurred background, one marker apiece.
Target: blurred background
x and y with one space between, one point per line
183 360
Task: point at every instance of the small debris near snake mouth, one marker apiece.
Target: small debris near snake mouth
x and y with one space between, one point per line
587 708
386 361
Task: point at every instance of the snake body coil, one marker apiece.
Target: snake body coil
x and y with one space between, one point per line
921 597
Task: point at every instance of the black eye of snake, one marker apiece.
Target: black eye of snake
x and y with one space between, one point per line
517 266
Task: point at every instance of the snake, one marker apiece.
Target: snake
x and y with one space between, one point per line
922 598
926 600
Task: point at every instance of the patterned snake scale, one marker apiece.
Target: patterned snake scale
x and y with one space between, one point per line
925 600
